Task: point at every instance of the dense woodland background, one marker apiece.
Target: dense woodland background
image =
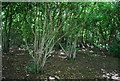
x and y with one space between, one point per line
43 28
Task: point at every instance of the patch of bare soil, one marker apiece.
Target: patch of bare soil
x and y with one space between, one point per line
87 65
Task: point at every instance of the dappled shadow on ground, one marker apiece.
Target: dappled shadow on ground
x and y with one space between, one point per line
88 64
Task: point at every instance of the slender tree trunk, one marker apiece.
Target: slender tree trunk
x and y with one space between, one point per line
6 34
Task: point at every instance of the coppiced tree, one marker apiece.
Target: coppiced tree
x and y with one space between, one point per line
47 26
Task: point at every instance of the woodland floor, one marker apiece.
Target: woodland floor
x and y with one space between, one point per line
87 65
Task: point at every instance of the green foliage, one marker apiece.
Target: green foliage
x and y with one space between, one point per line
22 46
114 49
32 68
